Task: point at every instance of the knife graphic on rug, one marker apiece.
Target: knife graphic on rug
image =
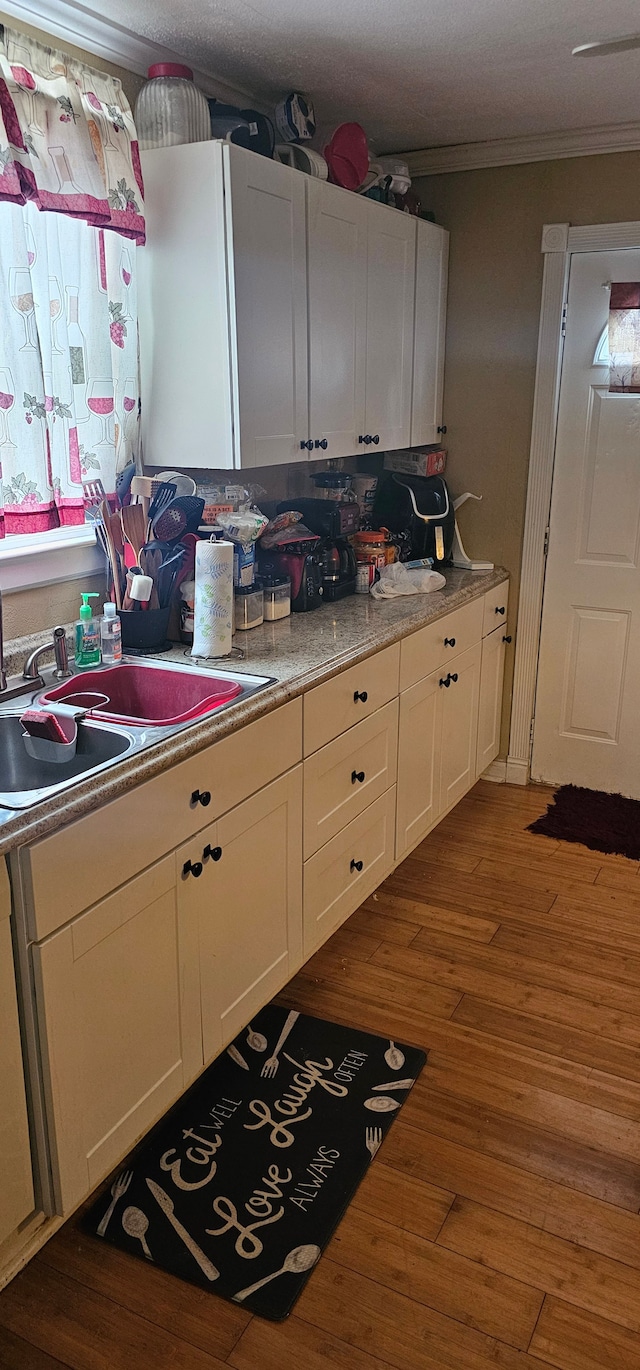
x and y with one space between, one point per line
166 1204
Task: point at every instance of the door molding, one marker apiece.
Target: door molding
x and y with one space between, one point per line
559 241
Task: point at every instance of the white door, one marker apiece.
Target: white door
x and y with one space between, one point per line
587 723
266 220
337 276
432 261
391 265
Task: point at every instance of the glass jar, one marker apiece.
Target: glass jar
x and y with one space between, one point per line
334 485
249 606
277 598
170 109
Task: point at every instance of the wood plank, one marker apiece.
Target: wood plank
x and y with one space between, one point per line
89 1332
16 1354
145 1290
379 919
374 982
597 894
479 892
572 1339
405 1201
519 1193
583 1278
587 957
406 1334
620 879
270 1346
525 1145
495 1304
424 914
545 1034
562 1008
359 943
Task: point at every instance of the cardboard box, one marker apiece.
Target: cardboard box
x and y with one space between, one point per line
417 461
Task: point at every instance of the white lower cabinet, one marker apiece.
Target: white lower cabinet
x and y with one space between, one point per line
490 709
459 735
240 891
347 870
119 1018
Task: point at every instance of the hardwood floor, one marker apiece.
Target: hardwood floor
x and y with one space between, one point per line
498 1227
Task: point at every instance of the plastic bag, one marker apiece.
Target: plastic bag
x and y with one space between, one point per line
244 527
399 579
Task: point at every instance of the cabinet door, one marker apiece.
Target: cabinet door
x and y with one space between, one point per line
347 870
247 906
266 241
490 710
337 281
432 260
16 1193
418 806
458 737
391 246
118 1006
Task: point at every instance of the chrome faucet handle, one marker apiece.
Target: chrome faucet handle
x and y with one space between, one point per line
61 653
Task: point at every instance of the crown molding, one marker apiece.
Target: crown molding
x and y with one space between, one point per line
71 22
543 147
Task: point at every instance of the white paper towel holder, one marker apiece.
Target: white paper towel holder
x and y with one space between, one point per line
459 556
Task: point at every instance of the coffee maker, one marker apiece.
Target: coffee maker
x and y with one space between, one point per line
333 522
299 558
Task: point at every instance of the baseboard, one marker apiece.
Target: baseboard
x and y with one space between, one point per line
517 771
497 771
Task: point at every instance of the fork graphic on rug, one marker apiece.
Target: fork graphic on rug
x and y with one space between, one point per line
118 1189
373 1140
270 1067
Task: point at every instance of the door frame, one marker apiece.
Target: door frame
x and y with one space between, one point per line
559 242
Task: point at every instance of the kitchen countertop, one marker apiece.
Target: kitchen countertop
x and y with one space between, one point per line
300 651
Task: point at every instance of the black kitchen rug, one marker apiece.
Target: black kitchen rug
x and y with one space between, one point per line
240 1188
602 822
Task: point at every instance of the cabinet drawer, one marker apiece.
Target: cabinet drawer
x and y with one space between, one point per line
496 603
351 696
334 887
73 868
344 777
438 643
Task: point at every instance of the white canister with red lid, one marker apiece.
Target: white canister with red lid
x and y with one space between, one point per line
170 109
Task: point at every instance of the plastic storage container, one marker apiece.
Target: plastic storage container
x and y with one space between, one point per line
333 485
110 635
249 606
277 597
170 109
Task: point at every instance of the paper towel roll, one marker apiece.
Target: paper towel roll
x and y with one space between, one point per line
213 609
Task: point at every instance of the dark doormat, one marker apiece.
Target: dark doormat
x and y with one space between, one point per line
603 822
240 1188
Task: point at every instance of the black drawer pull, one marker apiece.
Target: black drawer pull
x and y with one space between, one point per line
449 642
454 678
367 439
360 695
507 639
214 852
306 446
356 866
443 429
502 610
376 438
446 682
357 775
322 442
201 797
192 868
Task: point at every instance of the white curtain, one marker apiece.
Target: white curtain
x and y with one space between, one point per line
68 364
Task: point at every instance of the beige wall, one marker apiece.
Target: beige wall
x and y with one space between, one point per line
495 218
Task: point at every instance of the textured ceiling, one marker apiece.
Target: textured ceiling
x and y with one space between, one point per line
416 73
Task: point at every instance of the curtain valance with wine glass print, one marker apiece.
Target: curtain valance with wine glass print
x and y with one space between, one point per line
68 365
67 137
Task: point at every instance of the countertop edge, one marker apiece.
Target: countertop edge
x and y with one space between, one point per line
28 825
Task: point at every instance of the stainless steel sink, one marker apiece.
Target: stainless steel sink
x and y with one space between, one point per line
25 781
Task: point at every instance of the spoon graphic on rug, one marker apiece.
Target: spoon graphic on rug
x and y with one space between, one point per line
394 1057
256 1040
135 1224
299 1260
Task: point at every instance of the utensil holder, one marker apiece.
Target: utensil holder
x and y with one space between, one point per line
40 749
144 630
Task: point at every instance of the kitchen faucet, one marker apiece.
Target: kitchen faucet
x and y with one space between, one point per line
31 675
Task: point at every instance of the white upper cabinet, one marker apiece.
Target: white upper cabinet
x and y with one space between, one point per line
265 208
432 263
391 259
337 284
277 315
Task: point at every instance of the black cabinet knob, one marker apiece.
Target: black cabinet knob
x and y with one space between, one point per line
443 429
446 682
306 446
454 678
367 439
376 438
201 797
192 868
357 775
356 865
507 639
501 610
322 442
360 695
449 642
214 852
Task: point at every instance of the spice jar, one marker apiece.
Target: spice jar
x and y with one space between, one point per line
248 606
277 597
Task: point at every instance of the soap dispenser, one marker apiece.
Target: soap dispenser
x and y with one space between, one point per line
87 634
